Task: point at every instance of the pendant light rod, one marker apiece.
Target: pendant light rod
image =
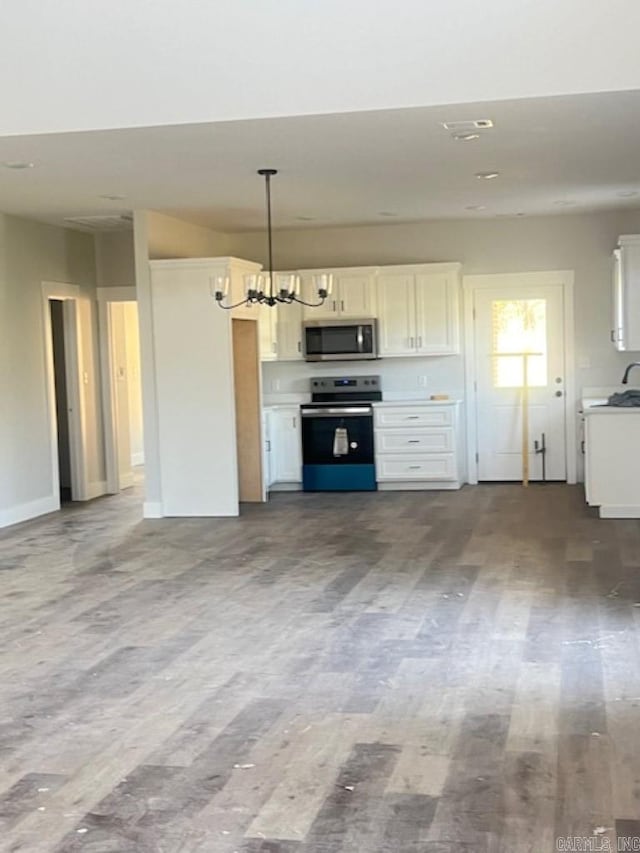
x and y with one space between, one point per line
257 293
267 174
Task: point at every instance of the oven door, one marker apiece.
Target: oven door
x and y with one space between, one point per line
345 340
337 448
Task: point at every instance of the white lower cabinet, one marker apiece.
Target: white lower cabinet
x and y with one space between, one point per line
284 448
418 446
612 463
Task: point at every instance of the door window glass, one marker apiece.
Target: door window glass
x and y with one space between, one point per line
519 326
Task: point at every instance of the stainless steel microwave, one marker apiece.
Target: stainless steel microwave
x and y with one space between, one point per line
340 340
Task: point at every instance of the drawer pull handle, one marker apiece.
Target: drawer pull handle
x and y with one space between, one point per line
414 467
412 417
414 441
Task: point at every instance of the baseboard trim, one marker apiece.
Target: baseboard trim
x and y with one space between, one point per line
152 509
127 480
419 486
96 489
285 487
33 509
619 511
137 459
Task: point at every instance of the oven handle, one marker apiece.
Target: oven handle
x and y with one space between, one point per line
331 413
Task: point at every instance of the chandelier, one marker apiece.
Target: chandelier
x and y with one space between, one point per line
273 288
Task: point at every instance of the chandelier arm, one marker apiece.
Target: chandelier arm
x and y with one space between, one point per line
230 307
310 304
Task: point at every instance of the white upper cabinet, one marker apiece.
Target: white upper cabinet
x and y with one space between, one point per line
625 331
267 326
280 332
438 312
353 294
419 310
396 314
289 332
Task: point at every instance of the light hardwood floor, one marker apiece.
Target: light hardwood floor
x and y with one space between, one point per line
401 672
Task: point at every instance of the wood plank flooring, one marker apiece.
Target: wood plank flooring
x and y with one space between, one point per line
368 673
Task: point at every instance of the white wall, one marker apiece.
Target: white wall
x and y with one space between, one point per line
34 253
582 243
195 402
157 237
115 261
173 238
134 383
223 60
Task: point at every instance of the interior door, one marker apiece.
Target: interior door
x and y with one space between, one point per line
513 325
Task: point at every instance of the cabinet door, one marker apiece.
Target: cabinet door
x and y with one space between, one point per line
617 323
289 332
267 456
628 294
267 325
437 313
310 294
354 295
396 314
285 445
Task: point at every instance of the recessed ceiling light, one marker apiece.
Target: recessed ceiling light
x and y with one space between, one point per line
627 193
468 125
387 213
18 164
465 137
475 207
487 176
113 197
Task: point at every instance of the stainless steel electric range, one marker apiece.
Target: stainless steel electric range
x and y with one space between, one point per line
337 434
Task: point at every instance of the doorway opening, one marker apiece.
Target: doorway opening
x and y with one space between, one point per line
122 389
60 367
65 401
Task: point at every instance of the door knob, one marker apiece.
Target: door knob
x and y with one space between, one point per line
558 393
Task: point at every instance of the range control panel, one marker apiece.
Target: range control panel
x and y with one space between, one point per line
344 384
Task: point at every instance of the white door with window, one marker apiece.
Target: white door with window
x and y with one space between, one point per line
514 324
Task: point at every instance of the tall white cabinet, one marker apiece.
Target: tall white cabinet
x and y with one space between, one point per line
419 310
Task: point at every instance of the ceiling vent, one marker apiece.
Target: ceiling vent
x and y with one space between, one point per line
468 126
108 222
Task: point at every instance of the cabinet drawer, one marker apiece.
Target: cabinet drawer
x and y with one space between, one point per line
409 416
399 468
430 440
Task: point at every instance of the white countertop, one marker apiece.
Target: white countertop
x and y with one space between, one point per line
418 401
392 404
595 409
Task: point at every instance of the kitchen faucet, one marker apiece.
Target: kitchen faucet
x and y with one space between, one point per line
625 378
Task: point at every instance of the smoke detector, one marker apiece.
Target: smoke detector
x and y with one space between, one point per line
468 126
104 222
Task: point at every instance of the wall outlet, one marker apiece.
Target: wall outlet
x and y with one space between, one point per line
422 382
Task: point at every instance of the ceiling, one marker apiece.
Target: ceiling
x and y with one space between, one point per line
554 155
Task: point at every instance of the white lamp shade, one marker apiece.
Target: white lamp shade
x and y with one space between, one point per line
252 282
286 283
219 284
323 281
